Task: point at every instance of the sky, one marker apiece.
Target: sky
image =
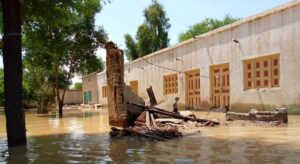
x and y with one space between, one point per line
124 16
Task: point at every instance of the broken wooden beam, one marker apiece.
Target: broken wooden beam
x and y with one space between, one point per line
173 114
151 95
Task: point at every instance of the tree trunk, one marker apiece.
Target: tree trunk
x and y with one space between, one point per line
60 103
60 100
60 108
12 59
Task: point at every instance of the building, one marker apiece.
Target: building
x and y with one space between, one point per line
252 63
90 89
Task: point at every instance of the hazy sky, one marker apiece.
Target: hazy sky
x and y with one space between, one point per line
124 16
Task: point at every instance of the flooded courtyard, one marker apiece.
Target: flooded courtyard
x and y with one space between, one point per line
84 138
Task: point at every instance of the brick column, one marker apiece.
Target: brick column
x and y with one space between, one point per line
115 85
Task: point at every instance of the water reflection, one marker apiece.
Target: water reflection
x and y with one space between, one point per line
81 138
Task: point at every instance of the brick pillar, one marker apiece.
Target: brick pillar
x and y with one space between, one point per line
115 85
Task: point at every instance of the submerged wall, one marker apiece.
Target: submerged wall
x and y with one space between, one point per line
73 97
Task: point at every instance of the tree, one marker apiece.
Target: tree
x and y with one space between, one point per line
1 29
206 25
26 89
40 87
132 50
12 59
151 36
59 37
78 86
93 64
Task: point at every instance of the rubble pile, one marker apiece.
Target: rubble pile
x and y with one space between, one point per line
159 124
280 115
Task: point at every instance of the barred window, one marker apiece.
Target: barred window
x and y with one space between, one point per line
262 72
170 84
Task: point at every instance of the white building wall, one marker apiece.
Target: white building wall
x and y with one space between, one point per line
101 81
275 31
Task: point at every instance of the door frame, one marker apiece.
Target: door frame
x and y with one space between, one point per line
211 81
186 84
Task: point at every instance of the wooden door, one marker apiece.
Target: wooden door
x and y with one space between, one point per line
85 97
134 86
192 85
220 86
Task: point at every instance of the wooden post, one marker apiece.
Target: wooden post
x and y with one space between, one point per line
115 85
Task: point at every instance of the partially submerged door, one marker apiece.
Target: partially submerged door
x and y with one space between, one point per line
192 85
85 97
220 86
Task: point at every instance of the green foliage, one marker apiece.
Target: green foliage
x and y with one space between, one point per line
61 35
28 92
1 21
152 35
78 86
62 32
60 40
37 80
206 25
1 29
91 65
145 39
131 51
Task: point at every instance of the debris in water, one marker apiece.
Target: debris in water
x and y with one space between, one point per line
280 114
159 124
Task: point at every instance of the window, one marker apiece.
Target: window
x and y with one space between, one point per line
104 91
170 84
134 85
261 72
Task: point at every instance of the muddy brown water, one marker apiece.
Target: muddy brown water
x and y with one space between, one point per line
84 138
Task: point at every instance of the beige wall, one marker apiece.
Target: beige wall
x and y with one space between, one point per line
102 82
275 31
89 83
73 97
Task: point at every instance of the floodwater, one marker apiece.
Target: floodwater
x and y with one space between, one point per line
84 138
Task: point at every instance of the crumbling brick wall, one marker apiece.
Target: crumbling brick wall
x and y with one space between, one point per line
115 85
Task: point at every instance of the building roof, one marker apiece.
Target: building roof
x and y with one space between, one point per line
219 30
224 28
88 75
